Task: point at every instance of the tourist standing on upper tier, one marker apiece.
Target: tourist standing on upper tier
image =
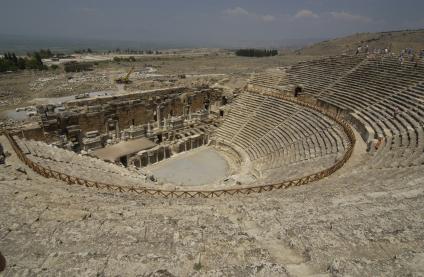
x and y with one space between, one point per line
396 111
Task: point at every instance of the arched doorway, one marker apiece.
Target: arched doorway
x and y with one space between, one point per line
298 90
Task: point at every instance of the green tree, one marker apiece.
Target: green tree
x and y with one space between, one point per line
14 59
21 63
38 60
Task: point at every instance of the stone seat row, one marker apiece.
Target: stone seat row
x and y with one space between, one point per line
286 115
387 98
88 173
317 74
303 73
268 79
296 169
380 115
377 85
384 96
267 118
238 115
316 79
297 127
46 152
393 154
280 133
314 146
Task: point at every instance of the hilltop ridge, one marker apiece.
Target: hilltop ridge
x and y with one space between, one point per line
394 40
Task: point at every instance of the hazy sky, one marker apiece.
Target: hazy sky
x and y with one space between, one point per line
213 22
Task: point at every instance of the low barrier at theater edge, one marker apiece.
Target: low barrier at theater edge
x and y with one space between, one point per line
49 173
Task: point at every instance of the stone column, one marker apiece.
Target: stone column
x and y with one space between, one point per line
117 129
149 129
149 155
165 123
144 157
158 115
188 144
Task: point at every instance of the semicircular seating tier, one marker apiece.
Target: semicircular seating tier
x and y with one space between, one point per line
382 96
273 134
270 80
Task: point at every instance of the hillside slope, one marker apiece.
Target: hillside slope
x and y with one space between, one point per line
394 40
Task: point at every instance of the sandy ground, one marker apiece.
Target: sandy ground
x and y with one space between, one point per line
197 167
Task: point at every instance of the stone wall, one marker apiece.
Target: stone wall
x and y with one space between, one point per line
125 110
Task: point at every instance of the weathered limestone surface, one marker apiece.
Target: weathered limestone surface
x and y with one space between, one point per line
358 222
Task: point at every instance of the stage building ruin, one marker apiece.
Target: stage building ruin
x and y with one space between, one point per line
138 128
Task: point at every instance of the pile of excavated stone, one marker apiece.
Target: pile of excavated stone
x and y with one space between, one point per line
62 84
